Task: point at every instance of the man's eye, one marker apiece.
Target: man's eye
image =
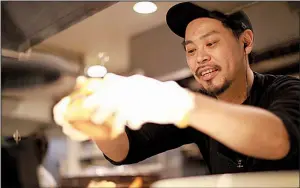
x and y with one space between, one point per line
211 44
191 51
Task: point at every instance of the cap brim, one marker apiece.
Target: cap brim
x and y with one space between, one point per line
180 15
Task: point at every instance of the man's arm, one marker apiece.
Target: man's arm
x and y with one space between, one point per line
116 149
249 130
141 144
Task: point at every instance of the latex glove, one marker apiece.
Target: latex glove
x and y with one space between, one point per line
137 99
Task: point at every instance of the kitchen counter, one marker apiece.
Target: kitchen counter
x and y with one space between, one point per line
253 179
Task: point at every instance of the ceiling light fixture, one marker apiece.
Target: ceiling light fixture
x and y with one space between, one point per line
96 71
145 7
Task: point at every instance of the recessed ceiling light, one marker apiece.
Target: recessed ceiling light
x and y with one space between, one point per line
96 71
145 7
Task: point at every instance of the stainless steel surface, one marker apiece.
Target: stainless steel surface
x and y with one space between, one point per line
25 24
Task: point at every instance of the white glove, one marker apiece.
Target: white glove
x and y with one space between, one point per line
137 99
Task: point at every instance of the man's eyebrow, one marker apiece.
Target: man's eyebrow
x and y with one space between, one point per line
186 42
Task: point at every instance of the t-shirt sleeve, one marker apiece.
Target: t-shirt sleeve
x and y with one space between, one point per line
150 140
285 103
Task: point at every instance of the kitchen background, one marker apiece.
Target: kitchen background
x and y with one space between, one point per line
79 32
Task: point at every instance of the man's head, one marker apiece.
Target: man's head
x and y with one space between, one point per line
217 46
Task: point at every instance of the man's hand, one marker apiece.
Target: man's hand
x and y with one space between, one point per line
137 99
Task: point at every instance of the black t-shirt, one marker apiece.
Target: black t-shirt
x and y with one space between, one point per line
278 94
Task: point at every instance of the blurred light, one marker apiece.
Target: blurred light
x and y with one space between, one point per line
106 59
144 7
96 71
80 79
99 172
100 55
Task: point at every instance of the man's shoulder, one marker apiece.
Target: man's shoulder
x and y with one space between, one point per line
271 81
268 87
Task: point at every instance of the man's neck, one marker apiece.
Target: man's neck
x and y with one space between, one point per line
237 93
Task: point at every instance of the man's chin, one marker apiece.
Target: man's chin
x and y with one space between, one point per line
214 91
218 89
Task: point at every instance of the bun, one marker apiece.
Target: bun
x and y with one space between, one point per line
75 110
76 114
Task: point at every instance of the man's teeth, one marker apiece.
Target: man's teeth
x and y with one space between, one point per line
208 71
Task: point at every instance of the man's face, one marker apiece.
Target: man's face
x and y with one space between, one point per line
214 54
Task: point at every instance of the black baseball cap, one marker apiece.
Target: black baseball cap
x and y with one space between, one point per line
180 15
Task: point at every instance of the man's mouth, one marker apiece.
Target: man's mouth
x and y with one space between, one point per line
208 74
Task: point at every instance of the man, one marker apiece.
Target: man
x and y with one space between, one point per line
242 121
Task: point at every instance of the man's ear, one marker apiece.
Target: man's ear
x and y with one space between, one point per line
248 40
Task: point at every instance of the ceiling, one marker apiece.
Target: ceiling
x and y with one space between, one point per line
107 26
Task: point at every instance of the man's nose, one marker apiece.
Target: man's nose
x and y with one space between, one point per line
202 57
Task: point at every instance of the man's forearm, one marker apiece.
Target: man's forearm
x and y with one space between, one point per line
116 149
249 130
